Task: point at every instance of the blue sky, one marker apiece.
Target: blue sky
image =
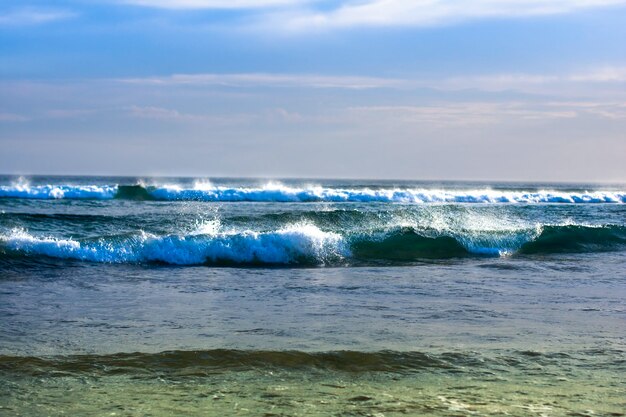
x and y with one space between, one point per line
422 89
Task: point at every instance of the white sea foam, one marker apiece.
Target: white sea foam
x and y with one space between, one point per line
43 192
289 245
276 192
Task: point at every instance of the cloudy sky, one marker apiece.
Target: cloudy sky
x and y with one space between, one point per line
411 89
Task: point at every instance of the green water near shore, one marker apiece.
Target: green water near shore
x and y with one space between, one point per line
520 384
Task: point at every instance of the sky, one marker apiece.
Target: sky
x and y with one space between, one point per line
496 90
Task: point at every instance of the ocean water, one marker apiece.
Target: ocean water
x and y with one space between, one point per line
179 296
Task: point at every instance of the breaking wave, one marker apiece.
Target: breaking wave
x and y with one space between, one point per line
292 245
302 245
48 192
276 192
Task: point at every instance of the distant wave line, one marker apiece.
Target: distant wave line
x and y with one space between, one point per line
275 192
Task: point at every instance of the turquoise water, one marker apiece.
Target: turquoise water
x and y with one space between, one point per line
126 296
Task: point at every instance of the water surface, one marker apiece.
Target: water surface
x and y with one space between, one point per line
194 297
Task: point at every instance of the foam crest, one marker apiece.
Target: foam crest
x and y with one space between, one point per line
203 190
276 192
45 192
305 244
22 242
296 244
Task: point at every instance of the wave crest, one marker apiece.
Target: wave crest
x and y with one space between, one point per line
276 192
48 192
297 244
308 245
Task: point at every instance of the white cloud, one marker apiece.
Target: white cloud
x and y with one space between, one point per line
607 110
212 4
306 14
172 115
160 113
449 114
605 77
198 99
546 83
275 80
428 12
30 16
604 74
465 113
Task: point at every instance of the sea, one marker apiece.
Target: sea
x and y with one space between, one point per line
295 297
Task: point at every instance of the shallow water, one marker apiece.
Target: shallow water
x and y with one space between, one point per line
136 306
288 383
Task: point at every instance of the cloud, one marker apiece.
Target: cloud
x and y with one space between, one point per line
30 16
214 99
275 80
461 114
299 15
467 114
213 4
12 117
172 115
427 12
276 115
283 115
605 74
607 110
593 80
606 80
160 113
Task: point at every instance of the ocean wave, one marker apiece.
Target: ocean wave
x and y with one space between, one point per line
276 192
206 362
298 244
199 363
47 192
576 239
407 243
308 245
